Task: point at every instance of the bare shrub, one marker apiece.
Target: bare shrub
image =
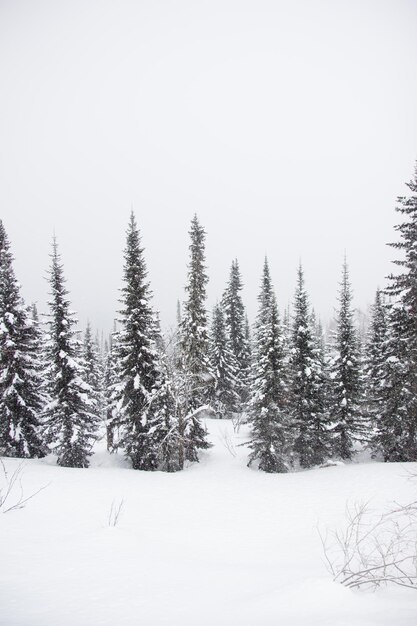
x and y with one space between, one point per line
237 420
374 550
115 511
227 441
12 496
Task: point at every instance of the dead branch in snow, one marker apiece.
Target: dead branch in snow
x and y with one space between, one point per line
374 550
227 441
115 511
12 496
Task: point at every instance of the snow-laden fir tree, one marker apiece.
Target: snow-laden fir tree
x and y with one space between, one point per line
318 334
247 357
307 386
168 432
92 367
397 438
346 402
226 399
287 331
111 392
21 398
71 414
138 363
194 342
270 441
234 315
100 347
37 328
375 368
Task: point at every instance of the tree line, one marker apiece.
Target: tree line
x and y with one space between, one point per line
308 397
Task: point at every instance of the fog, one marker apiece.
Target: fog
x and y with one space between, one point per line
288 127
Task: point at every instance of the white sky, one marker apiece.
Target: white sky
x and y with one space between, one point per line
289 127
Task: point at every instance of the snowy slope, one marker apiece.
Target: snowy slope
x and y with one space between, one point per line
218 544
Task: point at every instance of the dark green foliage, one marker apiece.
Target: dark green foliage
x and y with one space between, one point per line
194 343
397 438
21 399
92 367
270 435
307 388
346 403
375 364
111 394
165 429
71 414
235 325
225 399
138 367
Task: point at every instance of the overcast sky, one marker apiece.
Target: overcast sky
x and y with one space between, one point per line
289 127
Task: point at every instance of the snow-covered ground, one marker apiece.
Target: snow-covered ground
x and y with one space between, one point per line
218 544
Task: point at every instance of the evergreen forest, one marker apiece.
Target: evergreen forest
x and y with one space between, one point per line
310 397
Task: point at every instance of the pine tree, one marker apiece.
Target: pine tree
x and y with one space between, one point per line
375 368
247 356
225 400
92 370
194 342
346 377
169 438
307 389
270 435
137 354
37 328
111 392
71 415
21 398
235 319
397 432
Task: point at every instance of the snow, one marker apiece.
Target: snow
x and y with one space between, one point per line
217 544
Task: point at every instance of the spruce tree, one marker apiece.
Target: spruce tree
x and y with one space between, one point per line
170 439
225 399
111 393
21 398
247 356
397 432
71 415
194 343
235 319
346 407
375 369
137 355
270 440
92 367
307 388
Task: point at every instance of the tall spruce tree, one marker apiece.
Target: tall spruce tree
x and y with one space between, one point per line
71 414
194 343
234 315
397 437
111 393
247 358
21 398
307 388
347 411
137 354
375 369
270 441
92 367
226 399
